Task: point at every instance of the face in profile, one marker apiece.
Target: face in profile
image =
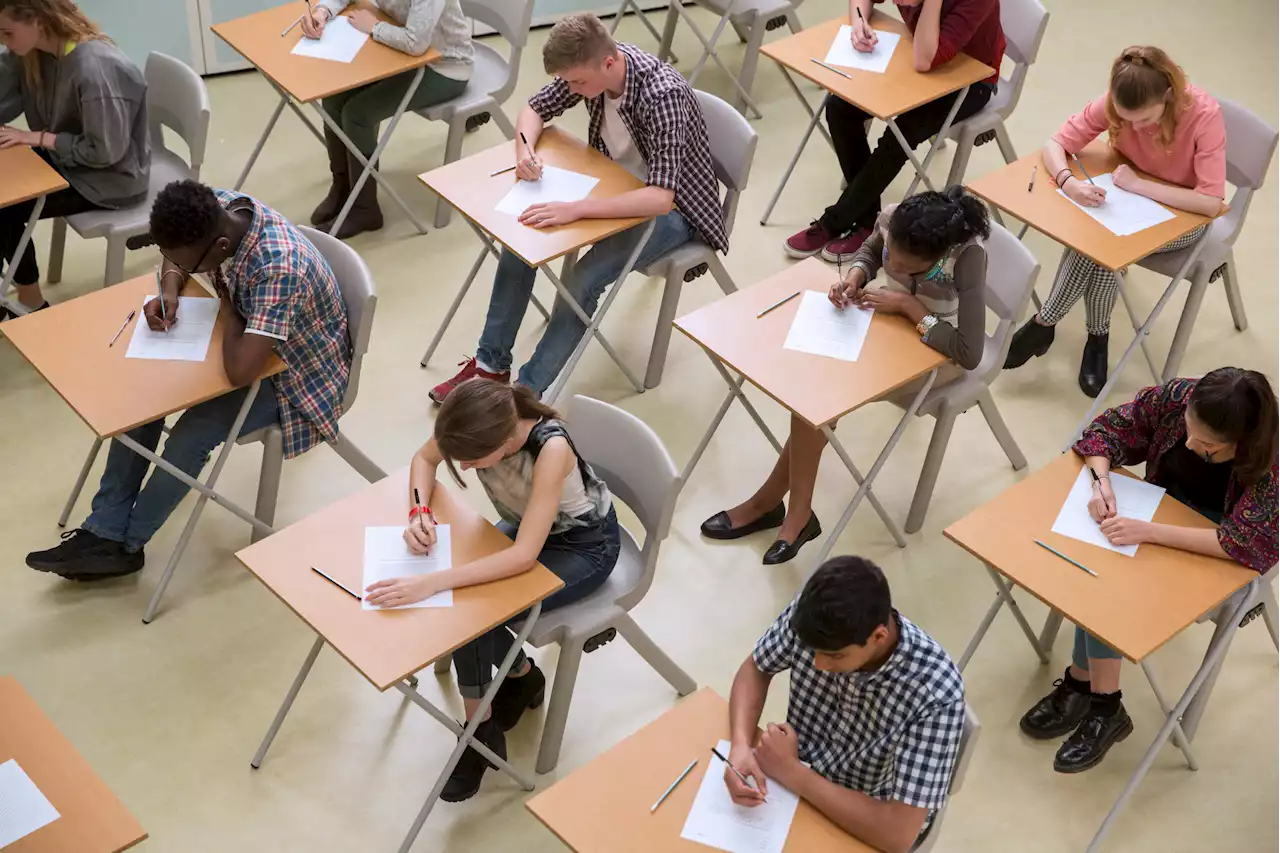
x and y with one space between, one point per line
18 37
851 658
1145 117
589 80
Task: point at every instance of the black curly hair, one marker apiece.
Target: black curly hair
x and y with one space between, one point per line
929 223
186 213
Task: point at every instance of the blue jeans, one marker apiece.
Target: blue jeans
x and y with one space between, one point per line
1087 646
582 557
513 285
124 511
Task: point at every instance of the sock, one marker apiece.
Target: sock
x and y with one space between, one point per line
1106 704
480 365
1074 684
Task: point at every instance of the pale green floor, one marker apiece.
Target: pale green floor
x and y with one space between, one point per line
169 714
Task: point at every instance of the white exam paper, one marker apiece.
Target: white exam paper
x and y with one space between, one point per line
23 809
1123 213
339 42
556 185
716 821
186 340
843 55
1135 498
820 328
386 557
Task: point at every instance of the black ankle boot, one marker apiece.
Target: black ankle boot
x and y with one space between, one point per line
1093 365
1031 340
517 695
465 779
1106 723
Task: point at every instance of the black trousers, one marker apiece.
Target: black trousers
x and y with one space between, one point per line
13 221
868 173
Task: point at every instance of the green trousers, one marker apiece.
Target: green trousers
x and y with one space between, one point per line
361 111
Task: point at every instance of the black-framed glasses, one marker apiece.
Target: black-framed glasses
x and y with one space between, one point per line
203 255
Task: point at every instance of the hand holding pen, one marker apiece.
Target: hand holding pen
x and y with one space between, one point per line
1102 505
528 166
420 534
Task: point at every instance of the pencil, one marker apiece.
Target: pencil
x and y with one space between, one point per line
335 583
295 23
830 68
1065 557
778 304
1081 165
692 764
1031 183
502 171
123 326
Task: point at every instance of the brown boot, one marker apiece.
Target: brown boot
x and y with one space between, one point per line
327 211
365 214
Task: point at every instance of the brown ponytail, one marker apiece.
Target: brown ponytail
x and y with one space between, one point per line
1240 406
1140 77
479 416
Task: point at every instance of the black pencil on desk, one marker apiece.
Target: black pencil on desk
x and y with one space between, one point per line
335 583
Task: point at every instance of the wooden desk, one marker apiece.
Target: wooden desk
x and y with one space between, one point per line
603 807
886 96
818 389
91 818
24 175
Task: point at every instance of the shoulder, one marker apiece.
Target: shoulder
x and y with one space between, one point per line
1203 113
1174 394
930 668
656 81
104 59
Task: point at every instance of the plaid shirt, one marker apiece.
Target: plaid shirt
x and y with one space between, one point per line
892 734
663 117
284 288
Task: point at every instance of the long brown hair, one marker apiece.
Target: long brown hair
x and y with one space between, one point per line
1140 76
61 19
1240 406
479 416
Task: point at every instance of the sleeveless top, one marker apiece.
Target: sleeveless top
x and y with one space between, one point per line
584 498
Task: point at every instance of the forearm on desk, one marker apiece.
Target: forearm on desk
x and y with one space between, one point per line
530 125
1181 198
925 38
746 702
646 202
887 825
1197 541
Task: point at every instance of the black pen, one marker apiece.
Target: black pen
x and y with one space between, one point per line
1098 482
335 583
742 778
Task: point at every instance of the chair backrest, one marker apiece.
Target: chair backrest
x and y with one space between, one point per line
1024 23
968 737
733 150
628 455
177 99
1251 143
355 282
1011 277
511 19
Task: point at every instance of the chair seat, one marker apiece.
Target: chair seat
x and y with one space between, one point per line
166 167
961 392
685 256
488 74
258 435
1215 252
987 118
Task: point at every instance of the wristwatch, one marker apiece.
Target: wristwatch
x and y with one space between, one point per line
926 324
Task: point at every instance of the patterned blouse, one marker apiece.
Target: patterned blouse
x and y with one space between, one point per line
1148 428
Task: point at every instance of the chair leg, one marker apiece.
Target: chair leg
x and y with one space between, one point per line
504 124
793 21
1005 143
942 426
57 247
1001 431
662 332
268 482
356 458
738 28
1268 596
1233 294
452 152
442 665
960 162
668 31
1199 283
721 275
654 656
115 260
750 59
558 707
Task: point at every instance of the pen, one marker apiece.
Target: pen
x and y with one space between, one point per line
692 764
160 295
335 583
1098 482
1032 183
1065 557
831 69
423 509
778 304
741 778
1081 165
123 326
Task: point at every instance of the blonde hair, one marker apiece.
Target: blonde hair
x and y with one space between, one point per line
61 19
576 40
1140 77
479 416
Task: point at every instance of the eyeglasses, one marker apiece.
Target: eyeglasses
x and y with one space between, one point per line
198 264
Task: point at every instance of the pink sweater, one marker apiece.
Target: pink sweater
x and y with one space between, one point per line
1197 157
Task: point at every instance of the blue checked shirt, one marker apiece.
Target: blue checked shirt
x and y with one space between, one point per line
282 286
893 734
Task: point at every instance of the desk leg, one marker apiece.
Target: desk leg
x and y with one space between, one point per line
288 703
79 486
642 18
12 267
709 52
735 392
921 173
262 141
1137 326
1179 736
815 121
1003 596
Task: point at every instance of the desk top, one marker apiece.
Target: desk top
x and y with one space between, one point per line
68 345
92 819
816 388
25 175
603 806
257 38
1048 212
898 89
1136 603
470 186
388 646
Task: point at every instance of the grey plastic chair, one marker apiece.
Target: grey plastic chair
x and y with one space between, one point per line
176 99
968 737
1251 142
1024 23
493 79
1011 278
733 150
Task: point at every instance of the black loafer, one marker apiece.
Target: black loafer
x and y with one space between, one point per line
1093 365
1056 714
1031 341
782 551
1091 740
719 526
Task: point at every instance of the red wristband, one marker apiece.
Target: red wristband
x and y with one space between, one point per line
413 513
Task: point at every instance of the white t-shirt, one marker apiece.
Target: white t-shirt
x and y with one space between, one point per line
622 148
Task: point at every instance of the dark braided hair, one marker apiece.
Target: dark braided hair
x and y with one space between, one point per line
929 223
185 213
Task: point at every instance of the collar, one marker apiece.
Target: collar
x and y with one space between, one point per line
904 649
630 86
247 244
70 46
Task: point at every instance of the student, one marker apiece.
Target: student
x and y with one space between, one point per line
874 715
420 25
278 296
940 32
556 511
930 249
86 107
645 116
1164 126
1212 444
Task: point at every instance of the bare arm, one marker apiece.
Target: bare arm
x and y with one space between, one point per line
244 354
646 202
1189 539
1179 197
1055 157
887 825
925 37
530 124
422 472
746 703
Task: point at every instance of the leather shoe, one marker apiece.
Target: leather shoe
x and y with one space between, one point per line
719 526
1031 340
1093 365
1090 741
782 551
1056 714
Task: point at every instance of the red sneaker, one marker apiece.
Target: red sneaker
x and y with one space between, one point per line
842 251
808 242
469 370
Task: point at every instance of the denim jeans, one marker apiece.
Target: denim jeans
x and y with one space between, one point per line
582 557
513 285
125 511
1087 646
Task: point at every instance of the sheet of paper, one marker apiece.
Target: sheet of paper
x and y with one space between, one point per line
340 42
188 338
821 328
1123 213
23 809
386 557
1134 499
556 185
716 821
843 55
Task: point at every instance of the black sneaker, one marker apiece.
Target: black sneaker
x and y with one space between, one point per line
85 556
1056 714
517 695
1091 740
464 781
